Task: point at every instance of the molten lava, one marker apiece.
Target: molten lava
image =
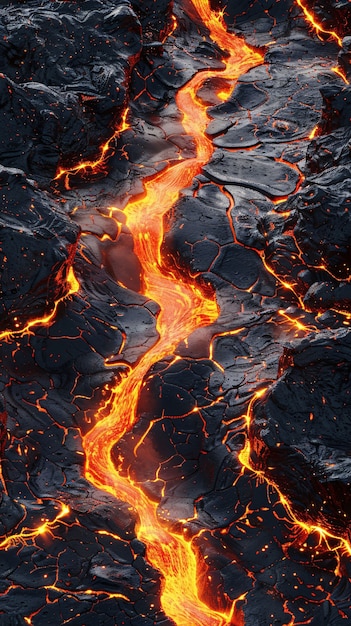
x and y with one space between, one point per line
183 309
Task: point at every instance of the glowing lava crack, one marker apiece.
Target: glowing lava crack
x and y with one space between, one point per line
183 309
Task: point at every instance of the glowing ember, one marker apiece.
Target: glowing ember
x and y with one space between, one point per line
183 309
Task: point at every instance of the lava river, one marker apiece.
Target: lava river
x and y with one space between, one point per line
183 308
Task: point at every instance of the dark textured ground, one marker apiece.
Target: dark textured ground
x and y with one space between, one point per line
280 271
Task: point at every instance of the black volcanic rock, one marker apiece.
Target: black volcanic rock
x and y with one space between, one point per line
67 65
329 295
174 403
257 19
316 232
344 57
37 243
201 228
65 74
155 18
300 428
336 108
308 237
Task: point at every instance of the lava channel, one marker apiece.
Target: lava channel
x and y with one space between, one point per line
183 308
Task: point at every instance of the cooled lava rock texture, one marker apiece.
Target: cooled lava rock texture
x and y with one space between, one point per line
175 310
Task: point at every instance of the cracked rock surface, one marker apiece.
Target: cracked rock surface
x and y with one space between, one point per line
265 226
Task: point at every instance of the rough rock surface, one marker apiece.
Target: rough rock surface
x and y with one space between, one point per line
38 243
311 243
264 225
333 14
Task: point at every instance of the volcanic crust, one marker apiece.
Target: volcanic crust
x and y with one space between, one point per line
242 433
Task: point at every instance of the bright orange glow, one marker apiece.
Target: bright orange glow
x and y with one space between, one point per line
224 94
183 309
174 26
99 165
73 284
324 534
45 320
320 30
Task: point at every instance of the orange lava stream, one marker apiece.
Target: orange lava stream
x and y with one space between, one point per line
183 309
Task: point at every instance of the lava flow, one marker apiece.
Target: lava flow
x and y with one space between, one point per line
183 309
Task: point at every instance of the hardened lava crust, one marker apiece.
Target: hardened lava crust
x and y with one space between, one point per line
239 441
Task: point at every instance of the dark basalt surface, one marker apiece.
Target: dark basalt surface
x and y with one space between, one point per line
265 226
299 430
333 14
312 244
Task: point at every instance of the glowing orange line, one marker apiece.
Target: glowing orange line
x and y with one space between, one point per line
183 309
99 163
45 320
27 533
313 132
244 458
338 70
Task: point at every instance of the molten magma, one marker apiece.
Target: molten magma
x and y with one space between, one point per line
183 308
